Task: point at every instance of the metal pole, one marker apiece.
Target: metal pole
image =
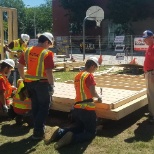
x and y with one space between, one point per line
34 25
132 47
84 37
71 45
99 37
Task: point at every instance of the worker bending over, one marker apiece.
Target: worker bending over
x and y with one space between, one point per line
83 112
39 80
18 45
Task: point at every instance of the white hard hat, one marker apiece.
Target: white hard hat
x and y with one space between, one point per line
95 60
9 62
25 37
49 36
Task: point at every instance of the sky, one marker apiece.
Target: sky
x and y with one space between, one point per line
32 3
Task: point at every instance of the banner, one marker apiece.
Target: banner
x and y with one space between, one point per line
139 44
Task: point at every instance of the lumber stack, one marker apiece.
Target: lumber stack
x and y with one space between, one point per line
68 65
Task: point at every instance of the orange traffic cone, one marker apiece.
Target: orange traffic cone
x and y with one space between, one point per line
133 61
100 59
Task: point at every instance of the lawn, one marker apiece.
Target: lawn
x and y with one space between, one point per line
130 135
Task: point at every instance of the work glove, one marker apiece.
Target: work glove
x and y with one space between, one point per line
51 91
5 108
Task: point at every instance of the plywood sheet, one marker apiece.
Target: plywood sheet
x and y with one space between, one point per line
111 98
127 82
123 110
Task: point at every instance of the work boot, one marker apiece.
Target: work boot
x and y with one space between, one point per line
65 140
50 136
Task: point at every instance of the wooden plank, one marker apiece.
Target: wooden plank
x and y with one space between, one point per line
122 111
111 98
61 107
121 82
128 99
116 102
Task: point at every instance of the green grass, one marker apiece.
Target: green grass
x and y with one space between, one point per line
130 135
65 76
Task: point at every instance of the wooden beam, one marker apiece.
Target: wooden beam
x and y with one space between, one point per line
1 35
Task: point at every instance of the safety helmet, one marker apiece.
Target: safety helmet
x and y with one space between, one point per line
9 62
49 36
95 60
25 37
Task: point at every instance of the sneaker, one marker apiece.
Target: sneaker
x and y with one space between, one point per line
65 140
50 136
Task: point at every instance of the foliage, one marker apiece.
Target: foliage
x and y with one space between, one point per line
39 17
124 12
42 15
76 12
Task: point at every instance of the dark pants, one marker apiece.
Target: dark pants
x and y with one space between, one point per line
85 126
39 94
14 76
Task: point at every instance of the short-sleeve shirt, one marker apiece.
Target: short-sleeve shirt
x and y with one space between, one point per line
90 81
2 84
149 59
48 61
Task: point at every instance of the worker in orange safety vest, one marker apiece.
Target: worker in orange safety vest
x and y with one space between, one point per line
6 88
84 110
39 80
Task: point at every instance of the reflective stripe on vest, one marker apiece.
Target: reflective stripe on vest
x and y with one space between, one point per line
40 66
85 106
26 104
8 87
82 91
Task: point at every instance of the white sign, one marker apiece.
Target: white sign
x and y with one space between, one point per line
120 47
139 44
119 39
120 56
32 42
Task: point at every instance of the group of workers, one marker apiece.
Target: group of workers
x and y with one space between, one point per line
39 84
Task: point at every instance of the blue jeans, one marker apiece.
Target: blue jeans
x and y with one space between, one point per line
84 128
39 94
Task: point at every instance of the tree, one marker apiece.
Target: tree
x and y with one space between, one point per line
76 12
124 12
38 19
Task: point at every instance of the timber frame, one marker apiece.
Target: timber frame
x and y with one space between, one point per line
12 26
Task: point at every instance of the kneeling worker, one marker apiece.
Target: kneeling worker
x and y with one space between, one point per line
83 112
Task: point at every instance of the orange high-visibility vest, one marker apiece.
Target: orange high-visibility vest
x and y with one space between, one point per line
82 92
17 103
8 86
34 58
